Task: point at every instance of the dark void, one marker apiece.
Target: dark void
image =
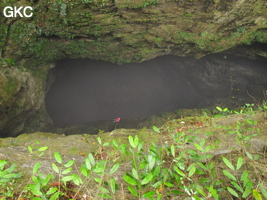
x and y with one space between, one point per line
81 90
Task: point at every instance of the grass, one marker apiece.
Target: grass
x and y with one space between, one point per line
187 163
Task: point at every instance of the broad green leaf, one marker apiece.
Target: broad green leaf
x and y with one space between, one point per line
43 148
232 192
58 157
239 163
129 180
115 143
151 161
179 171
168 184
70 163
228 163
256 195
114 168
55 196
198 147
249 155
84 171
173 150
112 185
51 191
67 178
149 194
240 189
35 189
192 171
77 179
99 140
91 158
132 190
55 168
136 141
104 190
46 180
219 108
263 190
30 149
246 193
130 138
106 144
135 174
147 179
88 164
155 129
36 167
66 171
244 176
229 175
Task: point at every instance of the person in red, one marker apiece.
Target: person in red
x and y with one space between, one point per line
117 120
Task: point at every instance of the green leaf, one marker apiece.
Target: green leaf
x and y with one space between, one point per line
76 179
129 180
155 129
66 171
179 171
91 158
219 108
173 150
132 190
99 140
232 192
246 193
237 186
55 196
114 168
263 190
135 174
30 149
168 184
84 171
249 155
51 191
192 170
256 195
46 180
70 163
198 147
228 163
35 189
149 194
115 143
67 178
88 164
151 161
112 185
36 167
43 148
55 167
244 176
239 163
229 175
58 157
147 179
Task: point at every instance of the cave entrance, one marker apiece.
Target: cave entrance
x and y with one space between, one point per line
82 90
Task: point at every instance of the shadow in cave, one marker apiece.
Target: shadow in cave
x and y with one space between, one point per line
82 90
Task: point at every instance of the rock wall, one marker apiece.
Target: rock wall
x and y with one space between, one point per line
118 31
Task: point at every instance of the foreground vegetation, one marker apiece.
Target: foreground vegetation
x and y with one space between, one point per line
183 165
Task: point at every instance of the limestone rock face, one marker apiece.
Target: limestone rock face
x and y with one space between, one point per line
119 31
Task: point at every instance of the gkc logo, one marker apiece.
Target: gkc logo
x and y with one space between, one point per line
14 12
